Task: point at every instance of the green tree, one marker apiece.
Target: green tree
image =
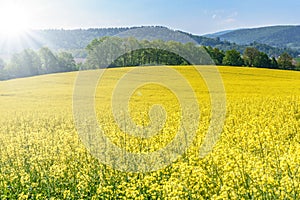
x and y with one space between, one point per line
2 64
262 60
177 49
2 70
26 63
104 51
274 63
133 44
233 58
95 42
66 62
216 54
117 52
250 56
49 61
285 61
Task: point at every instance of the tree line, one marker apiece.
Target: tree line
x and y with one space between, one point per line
121 52
252 57
31 63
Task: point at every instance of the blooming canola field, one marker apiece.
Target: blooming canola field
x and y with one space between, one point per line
257 155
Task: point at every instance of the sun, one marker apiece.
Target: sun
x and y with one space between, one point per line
14 19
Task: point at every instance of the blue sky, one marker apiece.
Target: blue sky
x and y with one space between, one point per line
194 16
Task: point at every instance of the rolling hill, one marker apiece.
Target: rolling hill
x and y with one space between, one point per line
75 41
276 36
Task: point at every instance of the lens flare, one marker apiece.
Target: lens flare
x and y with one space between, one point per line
14 19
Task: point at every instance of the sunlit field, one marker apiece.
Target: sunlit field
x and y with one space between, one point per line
256 157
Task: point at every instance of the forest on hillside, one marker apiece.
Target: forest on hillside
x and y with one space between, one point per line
276 36
109 52
75 41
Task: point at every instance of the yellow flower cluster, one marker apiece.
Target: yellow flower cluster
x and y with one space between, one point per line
256 157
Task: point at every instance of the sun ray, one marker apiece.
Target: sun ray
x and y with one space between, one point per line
14 19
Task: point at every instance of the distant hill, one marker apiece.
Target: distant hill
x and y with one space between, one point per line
276 36
75 41
58 39
226 45
80 38
217 34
